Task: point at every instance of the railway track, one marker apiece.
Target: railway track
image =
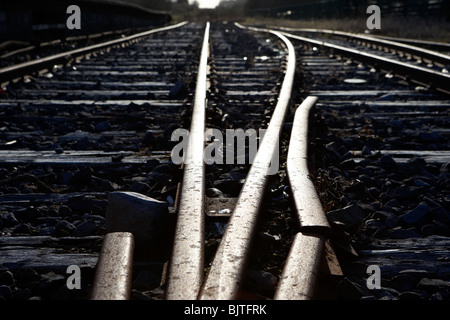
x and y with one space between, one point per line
378 136
75 133
15 52
90 185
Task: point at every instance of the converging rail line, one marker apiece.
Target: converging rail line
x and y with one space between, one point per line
419 74
377 136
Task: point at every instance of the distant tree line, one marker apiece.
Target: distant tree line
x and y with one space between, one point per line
347 8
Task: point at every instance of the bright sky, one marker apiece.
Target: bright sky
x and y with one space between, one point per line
207 3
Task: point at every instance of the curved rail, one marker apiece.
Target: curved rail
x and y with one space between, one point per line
298 280
306 200
186 266
229 263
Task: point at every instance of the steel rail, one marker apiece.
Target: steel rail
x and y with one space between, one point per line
419 75
299 276
441 59
186 266
228 267
16 71
308 206
113 275
434 45
58 41
114 268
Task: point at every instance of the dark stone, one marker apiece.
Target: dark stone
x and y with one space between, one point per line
373 191
427 230
355 188
66 177
27 214
214 193
350 216
82 176
393 203
416 273
416 216
105 184
87 228
149 138
403 282
399 233
389 219
413 166
262 281
59 150
163 168
433 284
436 297
334 150
366 151
23 228
8 219
430 137
64 225
405 192
139 187
441 215
441 228
351 290
386 162
347 164
386 293
50 282
47 231
65 211
178 90
231 187
445 167
28 275
5 292
7 278
102 126
347 156
158 178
